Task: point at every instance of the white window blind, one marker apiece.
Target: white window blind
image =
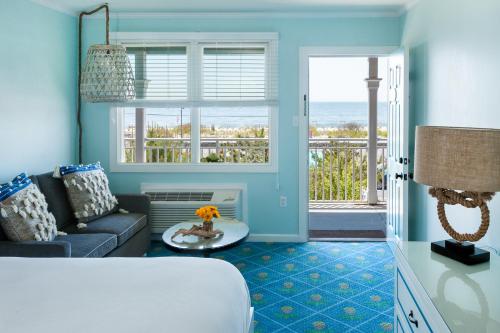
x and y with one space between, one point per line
234 73
161 73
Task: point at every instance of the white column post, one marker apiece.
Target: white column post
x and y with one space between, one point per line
195 94
373 83
195 135
140 132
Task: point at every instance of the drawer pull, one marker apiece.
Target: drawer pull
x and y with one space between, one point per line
412 319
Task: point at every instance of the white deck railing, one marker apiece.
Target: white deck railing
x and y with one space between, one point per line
212 150
338 167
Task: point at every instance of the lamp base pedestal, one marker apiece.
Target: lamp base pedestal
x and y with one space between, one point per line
465 252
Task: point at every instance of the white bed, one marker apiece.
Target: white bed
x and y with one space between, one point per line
188 295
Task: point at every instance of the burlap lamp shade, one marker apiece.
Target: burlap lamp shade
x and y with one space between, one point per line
462 166
466 159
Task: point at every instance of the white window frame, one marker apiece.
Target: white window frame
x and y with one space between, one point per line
195 99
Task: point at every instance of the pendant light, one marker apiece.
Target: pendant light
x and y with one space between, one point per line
107 75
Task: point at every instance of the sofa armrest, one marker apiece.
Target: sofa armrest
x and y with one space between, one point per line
134 203
35 249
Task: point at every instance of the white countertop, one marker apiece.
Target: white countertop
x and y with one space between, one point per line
467 297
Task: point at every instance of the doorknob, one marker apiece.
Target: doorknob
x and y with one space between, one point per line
404 161
399 175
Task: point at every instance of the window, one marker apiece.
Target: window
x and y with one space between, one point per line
205 102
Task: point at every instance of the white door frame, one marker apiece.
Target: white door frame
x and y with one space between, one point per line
303 115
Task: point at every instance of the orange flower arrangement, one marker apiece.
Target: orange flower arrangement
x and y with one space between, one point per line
207 213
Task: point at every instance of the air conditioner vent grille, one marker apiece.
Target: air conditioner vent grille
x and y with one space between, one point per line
180 196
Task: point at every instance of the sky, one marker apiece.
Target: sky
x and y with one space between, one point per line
335 79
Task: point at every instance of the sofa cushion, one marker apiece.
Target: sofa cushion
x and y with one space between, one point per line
55 195
90 245
23 211
124 226
88 191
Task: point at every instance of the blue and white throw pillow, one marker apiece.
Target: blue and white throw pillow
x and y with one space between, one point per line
88 191
23 211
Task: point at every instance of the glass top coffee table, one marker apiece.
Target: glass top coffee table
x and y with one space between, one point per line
234 233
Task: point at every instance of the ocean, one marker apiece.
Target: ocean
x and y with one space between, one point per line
337 114
322 115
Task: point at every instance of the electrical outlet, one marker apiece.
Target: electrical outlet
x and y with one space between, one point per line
283 201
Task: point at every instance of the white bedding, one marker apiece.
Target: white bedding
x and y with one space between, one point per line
188 295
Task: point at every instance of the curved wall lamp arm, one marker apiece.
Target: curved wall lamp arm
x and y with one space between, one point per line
79 103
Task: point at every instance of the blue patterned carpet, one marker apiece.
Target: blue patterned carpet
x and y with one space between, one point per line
316 286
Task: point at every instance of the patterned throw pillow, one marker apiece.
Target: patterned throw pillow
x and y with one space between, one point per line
88 191
23 211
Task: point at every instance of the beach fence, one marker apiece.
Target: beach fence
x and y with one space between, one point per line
338 169
212 150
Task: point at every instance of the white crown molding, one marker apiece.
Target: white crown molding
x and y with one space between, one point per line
249 15
56 7
396 12
411 4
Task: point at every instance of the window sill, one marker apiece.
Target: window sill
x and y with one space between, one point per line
193 168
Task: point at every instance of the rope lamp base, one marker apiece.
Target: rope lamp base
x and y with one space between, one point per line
459 247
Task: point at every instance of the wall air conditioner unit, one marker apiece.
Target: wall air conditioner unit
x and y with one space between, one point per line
172 204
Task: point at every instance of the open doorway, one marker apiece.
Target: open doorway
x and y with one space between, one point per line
347 191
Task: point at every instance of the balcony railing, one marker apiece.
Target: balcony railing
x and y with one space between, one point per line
338 169
212 150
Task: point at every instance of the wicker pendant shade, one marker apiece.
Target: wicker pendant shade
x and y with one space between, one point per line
107 75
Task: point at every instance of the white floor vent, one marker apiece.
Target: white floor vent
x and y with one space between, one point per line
173 205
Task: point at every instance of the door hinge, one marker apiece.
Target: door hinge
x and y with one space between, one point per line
305 105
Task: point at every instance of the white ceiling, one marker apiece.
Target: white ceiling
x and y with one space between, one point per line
75 6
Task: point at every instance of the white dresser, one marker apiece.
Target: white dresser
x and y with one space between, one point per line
436 294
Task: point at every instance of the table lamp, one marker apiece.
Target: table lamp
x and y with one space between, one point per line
462 166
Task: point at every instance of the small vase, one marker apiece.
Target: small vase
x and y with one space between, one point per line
208 226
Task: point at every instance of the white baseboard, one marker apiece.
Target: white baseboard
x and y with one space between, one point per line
276 238
358 240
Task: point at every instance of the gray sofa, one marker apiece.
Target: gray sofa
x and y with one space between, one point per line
114 235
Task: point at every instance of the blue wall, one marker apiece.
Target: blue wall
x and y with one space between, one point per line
37 88
454 73
265 215
454 79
